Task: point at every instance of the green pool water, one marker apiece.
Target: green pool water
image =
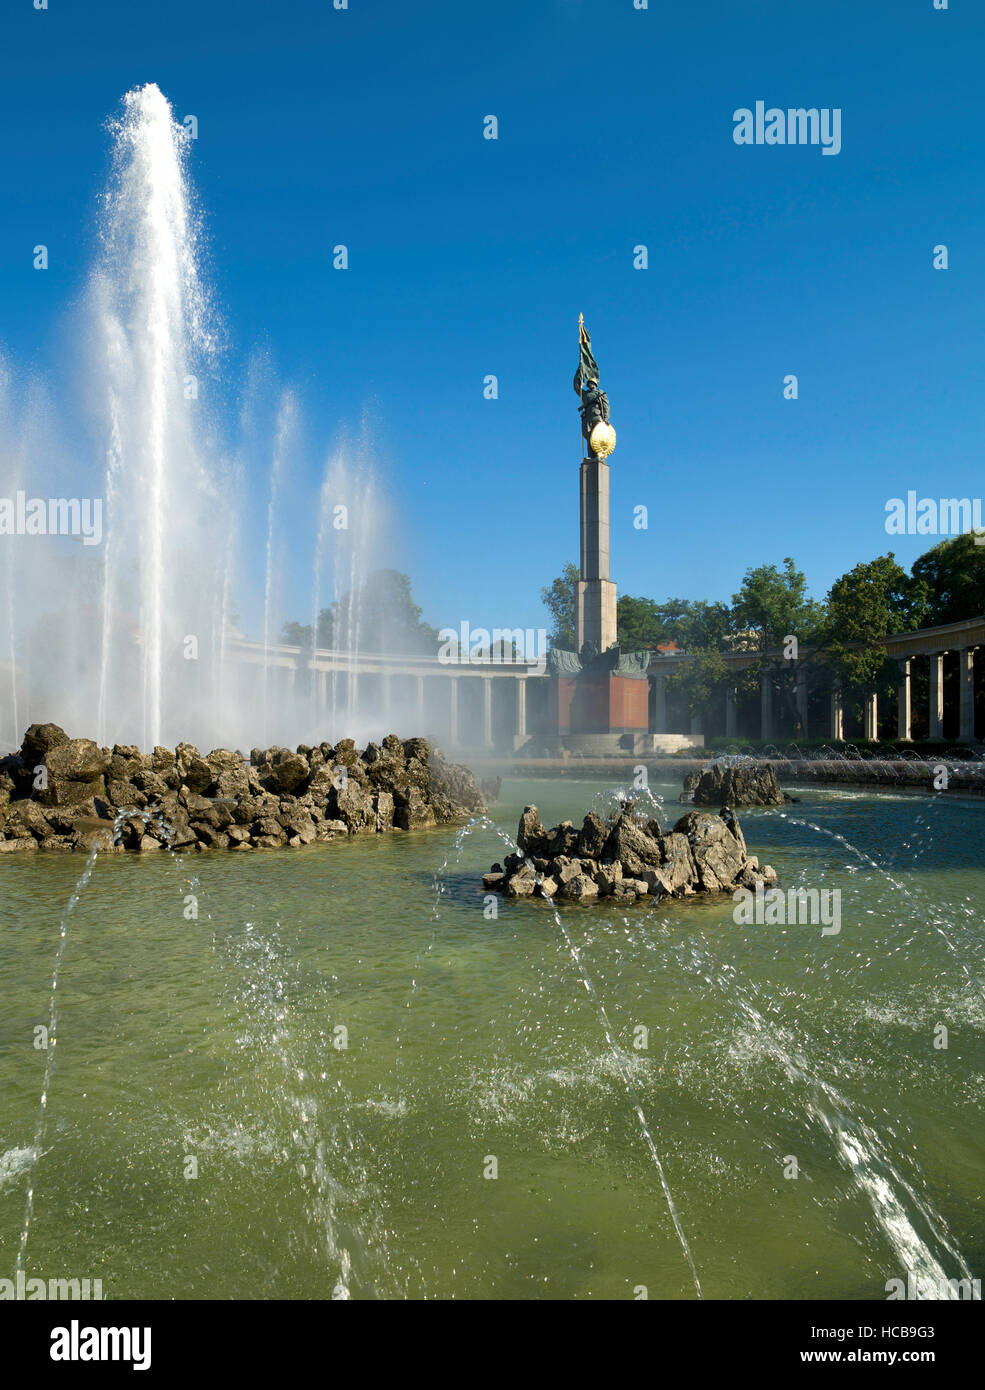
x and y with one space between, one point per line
473 1046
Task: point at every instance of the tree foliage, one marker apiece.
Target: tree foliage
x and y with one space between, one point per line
379 616
561 601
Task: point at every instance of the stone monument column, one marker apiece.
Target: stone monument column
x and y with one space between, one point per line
596 619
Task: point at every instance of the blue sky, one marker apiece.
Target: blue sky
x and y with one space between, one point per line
471 257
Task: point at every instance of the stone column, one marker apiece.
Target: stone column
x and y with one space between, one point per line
801 694
521 707
695 723
837 713
596 612
660 703
872 716
730 713
453 711
766 704
937 695
420 706
904 712
487 730
966 686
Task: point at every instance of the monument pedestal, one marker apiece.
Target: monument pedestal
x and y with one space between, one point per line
598 704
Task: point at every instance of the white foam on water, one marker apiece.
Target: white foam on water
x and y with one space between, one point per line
13 1163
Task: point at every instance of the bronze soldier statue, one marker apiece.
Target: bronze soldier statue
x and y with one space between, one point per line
594 407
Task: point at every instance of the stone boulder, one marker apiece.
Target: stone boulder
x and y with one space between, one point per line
75 772
222 801
38 743
627 859
718 855
745 783
411 810
193 771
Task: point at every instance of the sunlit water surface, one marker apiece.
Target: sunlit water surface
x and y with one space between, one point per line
473 1046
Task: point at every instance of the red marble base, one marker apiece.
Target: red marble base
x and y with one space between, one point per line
602 704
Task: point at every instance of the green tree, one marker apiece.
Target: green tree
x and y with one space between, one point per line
561 601
641 623
297 635
701 678
948 582
381 616
645 624
773 604
865 606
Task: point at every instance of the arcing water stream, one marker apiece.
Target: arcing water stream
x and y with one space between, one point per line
358 1170
132 636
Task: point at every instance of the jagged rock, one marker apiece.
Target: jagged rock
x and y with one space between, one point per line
717 854
233 782
38 742
451 786
628 842
561 840
531 836
607 876
26 819
352 805
739 784
411 811
345 754
193 770
522 883
300 827
164 763
122 794
677 862
579 888
284 771
74 772
332 829
209 836
152 784
631 860
593 835
221 800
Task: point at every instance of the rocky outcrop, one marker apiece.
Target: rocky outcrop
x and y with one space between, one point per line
744 783
61 793
628 858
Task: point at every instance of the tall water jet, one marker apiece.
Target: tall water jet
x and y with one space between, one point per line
350 524
136 640
153 321
286 430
